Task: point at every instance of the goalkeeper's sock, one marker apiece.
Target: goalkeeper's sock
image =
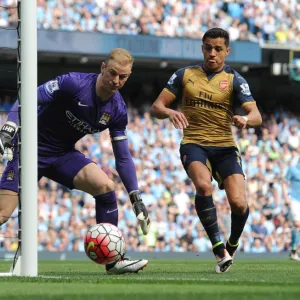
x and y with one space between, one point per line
106 208
207 213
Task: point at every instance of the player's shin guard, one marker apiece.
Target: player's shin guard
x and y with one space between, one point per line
207 213
106 208
237 226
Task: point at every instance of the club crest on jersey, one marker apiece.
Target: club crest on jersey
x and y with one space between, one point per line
224 85
104 119
10 175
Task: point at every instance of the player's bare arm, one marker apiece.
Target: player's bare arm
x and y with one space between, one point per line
253 117
160 109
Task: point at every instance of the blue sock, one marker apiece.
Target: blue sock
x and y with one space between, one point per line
106 208
295 238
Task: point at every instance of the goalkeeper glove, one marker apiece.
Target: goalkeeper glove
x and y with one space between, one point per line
140 211
7 133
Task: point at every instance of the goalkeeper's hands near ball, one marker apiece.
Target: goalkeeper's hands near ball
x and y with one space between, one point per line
140 211
7 133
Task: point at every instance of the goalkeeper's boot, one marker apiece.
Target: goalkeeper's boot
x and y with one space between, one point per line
231 249
224 260
140 211
125 265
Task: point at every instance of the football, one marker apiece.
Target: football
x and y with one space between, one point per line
104 243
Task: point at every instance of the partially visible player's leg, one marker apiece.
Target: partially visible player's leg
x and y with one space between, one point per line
8 203
295 217
91 179
295 241
229 170
9 189
198 168
74 170
235 190
207 213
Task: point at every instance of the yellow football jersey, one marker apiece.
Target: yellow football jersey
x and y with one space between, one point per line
207 102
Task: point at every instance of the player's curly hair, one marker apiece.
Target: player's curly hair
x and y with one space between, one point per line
117 53
214 33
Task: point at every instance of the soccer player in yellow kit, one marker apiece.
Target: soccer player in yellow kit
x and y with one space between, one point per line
207 92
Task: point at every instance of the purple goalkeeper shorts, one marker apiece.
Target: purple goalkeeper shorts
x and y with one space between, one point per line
62 169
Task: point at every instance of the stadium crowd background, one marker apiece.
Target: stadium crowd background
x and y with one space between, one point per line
64 215
254 20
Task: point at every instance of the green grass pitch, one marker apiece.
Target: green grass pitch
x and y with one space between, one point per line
162 279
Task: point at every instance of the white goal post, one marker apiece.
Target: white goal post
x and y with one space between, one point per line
28 139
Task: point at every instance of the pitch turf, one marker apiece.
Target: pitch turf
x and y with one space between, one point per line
162 279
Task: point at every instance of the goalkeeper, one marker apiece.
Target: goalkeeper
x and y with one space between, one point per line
69 107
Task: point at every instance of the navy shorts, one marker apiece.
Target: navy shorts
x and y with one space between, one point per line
62 169
221 161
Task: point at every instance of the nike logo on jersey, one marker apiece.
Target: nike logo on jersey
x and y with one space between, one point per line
110 211
80 104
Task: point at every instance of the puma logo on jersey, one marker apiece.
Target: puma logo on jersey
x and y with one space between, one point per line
191 81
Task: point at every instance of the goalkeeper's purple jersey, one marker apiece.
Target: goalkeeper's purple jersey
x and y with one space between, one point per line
69 109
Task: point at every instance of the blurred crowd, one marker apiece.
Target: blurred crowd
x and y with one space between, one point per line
255 20
65 215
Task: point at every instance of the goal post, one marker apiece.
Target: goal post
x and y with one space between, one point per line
28 138
26 257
